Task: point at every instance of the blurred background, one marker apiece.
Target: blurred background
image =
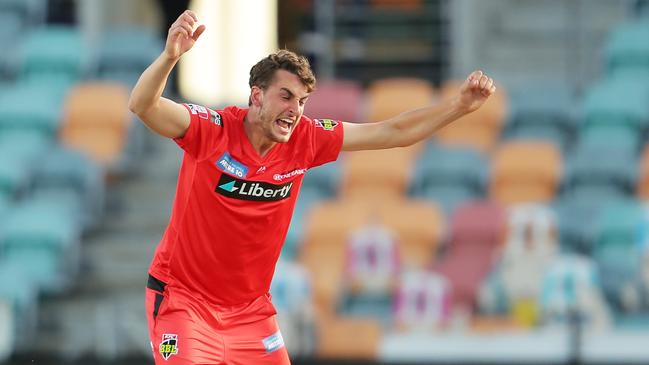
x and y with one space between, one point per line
517 235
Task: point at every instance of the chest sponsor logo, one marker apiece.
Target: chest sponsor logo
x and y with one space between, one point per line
288 175
231 166
252 190
273 342
169 345
326 124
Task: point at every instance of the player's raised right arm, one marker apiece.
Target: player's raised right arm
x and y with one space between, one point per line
164 116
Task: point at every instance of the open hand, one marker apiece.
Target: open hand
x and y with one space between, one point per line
182 36
475 90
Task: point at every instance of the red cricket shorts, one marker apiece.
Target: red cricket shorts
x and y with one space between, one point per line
184 330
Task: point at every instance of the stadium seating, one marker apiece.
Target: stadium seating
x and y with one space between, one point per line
372 264
336 99
291 291
575 214
42 236
419 227
32 106
423 302
117 60
642 187
626 47
477 231
479 130
525 171
347 338
599 168
610 136
618 253
20 295
449 175
387 98
547 115
54 52
384 173
68 170
619 99
97 121
571 287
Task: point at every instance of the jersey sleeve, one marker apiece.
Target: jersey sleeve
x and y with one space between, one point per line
327 140
204 133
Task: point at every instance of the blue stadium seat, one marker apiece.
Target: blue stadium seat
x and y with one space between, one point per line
123 54
606 168
21 294
449 175
619 99
627 46
326 179
42 236
546 115
32 106
63 169
56 52
618 252
309 196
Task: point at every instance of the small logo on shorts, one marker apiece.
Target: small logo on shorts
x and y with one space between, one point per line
273 342
169 345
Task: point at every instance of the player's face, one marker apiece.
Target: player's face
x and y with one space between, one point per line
282 106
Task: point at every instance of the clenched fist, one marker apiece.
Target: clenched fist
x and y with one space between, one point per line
475 90
182 36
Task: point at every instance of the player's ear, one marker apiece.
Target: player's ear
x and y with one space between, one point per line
256 96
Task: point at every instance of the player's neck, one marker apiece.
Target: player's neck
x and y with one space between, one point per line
256 136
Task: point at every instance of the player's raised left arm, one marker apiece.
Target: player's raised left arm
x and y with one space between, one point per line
415 125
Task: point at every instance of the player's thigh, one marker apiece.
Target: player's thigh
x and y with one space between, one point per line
179 338
256 343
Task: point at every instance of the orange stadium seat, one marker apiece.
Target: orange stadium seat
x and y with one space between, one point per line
525 171
480 129
383 172
643 179
96 121
348 337
418 225
389 97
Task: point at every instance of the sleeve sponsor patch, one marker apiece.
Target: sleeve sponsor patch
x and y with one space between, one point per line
215 117
198 109
206 114
326 124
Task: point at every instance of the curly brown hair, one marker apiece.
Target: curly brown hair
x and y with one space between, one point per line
261 74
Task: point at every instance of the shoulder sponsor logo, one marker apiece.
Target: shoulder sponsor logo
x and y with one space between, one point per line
273 342
169 345
326 124
215 117
296 172
252 190
231 166
198 109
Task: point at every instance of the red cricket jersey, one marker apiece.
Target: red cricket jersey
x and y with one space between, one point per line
232 207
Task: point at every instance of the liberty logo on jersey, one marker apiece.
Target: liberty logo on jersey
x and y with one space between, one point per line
231 166
252 190
169 345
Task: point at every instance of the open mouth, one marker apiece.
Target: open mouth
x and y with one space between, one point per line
284 125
